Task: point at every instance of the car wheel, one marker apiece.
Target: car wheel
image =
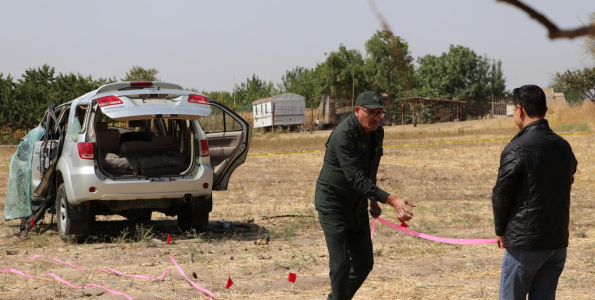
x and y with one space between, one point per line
78 228
195 215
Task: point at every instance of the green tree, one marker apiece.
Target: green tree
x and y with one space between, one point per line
302 81
32 94
460 74
6 98
70 86
25 103
223 97
253 89
381 66
341 75
581 81
137 73
497 80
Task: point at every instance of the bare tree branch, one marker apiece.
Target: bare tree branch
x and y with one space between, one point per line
553 31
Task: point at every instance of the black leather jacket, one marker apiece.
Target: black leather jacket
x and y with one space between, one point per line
531 199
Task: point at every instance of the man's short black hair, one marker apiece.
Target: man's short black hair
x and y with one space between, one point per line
532 99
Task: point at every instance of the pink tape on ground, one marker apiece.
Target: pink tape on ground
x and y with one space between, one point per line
435 238
17 272
58 260
373 226
64 282
110 271
116 272
110 291
194 284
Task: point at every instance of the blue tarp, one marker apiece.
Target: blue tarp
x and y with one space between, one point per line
18 193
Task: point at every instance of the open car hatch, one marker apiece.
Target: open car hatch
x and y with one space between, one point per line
157 103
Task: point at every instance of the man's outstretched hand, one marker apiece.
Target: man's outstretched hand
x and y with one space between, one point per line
400 205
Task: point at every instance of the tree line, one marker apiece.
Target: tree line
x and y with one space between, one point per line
578 85
459 73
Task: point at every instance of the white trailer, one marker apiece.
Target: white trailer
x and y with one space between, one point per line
285 110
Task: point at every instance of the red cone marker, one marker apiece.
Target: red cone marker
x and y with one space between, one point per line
229 283
32 223
168 239
291 277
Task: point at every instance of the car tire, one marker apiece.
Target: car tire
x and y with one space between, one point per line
77 228
195 215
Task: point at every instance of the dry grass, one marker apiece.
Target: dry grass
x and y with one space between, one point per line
450 183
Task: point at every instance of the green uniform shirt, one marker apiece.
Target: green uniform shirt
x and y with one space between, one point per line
348 176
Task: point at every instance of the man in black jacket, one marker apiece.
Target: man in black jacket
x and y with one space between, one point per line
346 182
531 201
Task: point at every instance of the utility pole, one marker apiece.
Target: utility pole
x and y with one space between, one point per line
234 93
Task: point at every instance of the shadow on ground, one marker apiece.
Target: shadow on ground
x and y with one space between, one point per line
158 231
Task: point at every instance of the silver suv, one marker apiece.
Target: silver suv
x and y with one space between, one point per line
131 148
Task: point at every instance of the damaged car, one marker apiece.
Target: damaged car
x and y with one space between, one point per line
127 148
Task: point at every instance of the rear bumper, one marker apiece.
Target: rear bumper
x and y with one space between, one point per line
107 189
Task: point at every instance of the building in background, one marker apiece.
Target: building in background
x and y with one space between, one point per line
551 95
285 110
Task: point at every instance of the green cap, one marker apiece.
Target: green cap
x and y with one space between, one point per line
369 99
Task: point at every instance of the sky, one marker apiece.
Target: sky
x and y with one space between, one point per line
206 44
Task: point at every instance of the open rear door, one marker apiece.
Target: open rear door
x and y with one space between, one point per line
229 139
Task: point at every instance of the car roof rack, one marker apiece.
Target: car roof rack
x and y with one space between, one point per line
137 85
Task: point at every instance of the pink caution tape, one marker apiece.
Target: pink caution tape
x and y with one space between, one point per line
58 260
17 272
194 284
434 238
116 272
64 282
109 271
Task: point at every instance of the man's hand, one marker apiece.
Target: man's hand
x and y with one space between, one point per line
500 239
400 205
375 209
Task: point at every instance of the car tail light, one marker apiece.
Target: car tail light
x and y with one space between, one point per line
141 83
204 148
109 100
198 99
85 150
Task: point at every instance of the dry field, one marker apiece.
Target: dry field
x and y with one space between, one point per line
274 229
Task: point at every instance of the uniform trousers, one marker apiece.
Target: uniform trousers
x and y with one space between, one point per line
350 250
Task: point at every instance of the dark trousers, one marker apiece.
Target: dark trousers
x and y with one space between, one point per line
350 254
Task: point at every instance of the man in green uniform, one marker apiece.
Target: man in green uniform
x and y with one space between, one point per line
346 182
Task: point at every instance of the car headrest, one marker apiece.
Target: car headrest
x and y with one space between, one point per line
138 123
101 126
163 140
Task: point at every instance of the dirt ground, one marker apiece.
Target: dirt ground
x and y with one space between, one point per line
273 228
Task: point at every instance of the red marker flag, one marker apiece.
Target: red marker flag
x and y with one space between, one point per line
229 283
32 222
403 224
168 239
291 277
